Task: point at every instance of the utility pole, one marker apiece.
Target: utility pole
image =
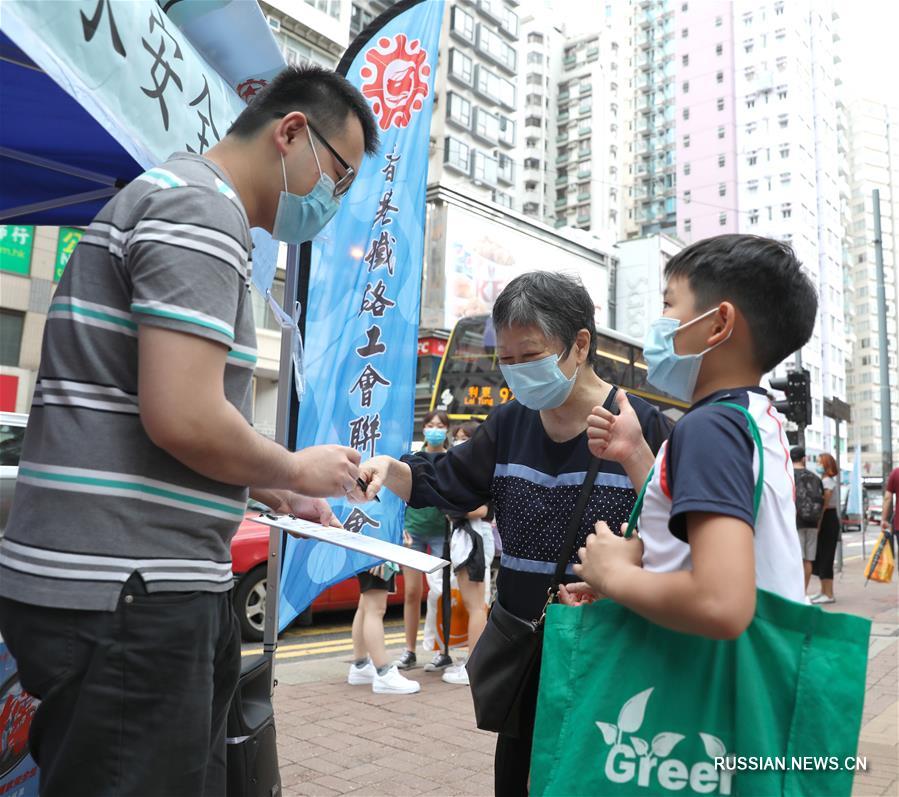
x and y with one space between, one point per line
886 415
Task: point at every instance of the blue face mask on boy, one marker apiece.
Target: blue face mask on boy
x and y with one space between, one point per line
539 384
674 373
301 218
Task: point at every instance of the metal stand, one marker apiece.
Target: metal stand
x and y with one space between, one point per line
282 434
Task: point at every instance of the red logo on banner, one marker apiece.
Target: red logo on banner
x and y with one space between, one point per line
399 80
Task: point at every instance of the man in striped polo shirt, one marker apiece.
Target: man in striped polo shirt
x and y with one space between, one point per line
115 570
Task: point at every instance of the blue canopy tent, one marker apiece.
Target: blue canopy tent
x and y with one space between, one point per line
59 166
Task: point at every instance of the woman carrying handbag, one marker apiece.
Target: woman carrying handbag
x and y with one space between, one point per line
530 460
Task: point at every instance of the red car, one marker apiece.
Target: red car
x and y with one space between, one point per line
249 554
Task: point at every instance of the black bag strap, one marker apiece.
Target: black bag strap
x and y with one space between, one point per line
574 523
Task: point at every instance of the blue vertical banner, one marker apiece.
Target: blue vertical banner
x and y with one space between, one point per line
362 313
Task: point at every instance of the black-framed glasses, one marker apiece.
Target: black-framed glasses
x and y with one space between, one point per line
349 174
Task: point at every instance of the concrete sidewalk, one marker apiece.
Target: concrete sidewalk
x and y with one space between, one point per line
337 739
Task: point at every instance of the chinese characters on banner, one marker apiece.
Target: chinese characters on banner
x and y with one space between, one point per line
362 317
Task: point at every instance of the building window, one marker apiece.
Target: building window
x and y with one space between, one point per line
721 160
718 22
722 189
685 87
750 103
748 45
486 125
456 154
752 185
11 323
785 180
720 132
685 113
722 219
781 92
507 131
685 60
780 35
719 77
687 197
535 38
688 225
535 58
462 24
747 18
778 8
533 121
783 120
506 169
786 210
494 87
484 169
502 198
684 33
752 158
720 104
459 110
719 49
753 216
534 163
784 151
686 168
493 45
461 66
686 141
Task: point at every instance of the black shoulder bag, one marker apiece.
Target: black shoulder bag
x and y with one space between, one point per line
502 666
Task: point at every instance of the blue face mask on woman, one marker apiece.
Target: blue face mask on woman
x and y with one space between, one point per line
301 218
539 384
674 373
435 437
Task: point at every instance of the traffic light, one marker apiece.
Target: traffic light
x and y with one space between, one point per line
797 406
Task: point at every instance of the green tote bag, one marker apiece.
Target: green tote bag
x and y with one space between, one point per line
627 707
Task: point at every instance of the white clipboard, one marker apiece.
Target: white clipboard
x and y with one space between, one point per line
355 542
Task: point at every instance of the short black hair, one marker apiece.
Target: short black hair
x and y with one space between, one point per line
763 279
557 304
325 96
797 454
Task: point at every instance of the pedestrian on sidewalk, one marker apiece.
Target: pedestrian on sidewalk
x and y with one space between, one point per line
889 515
809 509
422 529
115 568
471 555
371 665
525 458
829 533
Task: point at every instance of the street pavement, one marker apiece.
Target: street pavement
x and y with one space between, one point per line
336 739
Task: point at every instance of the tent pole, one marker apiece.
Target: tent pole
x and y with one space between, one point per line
61 202
56 166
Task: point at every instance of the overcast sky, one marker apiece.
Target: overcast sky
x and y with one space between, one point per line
870 48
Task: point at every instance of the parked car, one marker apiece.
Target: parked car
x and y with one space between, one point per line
249 558
875 507
12 433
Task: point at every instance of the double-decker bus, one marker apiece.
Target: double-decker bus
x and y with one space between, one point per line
469 382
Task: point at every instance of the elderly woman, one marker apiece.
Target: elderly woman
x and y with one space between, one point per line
529 458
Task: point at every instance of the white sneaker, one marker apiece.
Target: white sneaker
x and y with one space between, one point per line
361 675
456 675
393 682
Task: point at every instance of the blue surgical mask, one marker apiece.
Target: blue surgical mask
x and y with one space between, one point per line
539 384
435 437
674 373
301 218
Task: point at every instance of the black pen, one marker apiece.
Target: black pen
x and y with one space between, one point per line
363 486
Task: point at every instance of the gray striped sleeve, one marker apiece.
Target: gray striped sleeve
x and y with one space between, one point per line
187 257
